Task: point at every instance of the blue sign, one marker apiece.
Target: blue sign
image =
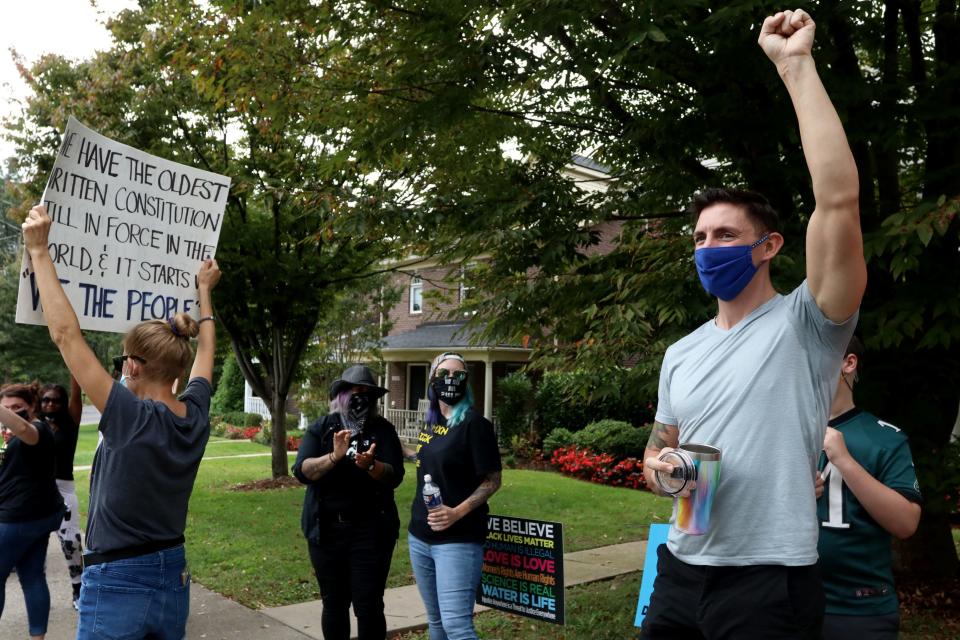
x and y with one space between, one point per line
656 537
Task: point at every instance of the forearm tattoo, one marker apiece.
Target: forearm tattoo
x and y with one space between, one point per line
486 489
663 435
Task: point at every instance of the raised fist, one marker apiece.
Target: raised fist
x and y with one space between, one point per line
787 34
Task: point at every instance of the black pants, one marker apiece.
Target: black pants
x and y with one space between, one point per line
733 603
351 562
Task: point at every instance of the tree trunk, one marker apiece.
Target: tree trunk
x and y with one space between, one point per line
278 423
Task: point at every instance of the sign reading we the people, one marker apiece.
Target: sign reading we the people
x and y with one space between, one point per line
130 231
523 568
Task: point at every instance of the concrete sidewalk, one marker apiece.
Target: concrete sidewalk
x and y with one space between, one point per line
214 617
405 611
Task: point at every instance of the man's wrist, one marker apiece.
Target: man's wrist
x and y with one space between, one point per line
791 65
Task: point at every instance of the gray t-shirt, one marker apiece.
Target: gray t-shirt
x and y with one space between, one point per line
144 469
761 392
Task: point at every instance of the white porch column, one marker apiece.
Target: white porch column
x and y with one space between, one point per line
487 387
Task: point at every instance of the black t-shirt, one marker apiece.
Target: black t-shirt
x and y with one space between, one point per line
143 471
65 439
28 489
347 491
457 459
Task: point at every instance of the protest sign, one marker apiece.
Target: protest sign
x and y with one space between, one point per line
130 231
523 568
655 537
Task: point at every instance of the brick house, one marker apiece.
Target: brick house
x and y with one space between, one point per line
425 323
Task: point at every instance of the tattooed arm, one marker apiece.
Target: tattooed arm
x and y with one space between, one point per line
442 517
663 436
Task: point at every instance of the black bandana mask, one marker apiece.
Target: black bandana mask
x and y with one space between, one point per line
450 390
358 411
23 413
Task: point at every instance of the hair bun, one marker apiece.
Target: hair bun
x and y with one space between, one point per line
183 326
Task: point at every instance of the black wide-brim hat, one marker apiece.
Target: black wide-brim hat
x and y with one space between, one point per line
357 376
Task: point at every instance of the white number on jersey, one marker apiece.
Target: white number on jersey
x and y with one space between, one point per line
834 482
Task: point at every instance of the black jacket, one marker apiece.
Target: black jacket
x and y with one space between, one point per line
348 492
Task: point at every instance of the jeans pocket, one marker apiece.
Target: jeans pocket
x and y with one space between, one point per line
121 612
181 596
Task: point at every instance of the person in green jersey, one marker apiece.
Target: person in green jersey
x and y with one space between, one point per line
869 492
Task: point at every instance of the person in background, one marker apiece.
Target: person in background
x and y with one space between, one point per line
351 461
869 493
135 581
458 449
30 505
63 416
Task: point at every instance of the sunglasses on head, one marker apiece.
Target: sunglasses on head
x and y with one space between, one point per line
119 360
459 374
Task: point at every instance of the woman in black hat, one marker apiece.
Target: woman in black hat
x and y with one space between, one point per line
351 461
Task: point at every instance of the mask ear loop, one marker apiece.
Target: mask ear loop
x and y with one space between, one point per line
760 241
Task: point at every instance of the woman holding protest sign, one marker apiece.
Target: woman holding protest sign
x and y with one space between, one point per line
458 449
135 581
351 461
30 505
63 416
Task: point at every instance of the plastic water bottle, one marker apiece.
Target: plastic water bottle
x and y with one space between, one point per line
431 493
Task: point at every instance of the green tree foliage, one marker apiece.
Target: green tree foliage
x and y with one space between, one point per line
248 90
514 404
229 394
348 331
676 96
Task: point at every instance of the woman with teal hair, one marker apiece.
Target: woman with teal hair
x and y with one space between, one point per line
458 449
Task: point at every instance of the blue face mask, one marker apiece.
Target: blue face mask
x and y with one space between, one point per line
725 271
123 380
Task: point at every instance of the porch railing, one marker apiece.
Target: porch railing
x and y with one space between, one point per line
407 421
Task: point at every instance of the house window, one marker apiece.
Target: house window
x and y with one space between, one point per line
464 289
416 295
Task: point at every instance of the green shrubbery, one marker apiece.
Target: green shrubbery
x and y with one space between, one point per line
229 395
557 439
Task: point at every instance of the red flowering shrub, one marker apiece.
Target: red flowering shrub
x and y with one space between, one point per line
601 468
241 433
293 443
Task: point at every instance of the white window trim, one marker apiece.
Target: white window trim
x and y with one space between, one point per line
416 282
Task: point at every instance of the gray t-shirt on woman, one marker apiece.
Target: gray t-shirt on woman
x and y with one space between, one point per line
144 469
761 392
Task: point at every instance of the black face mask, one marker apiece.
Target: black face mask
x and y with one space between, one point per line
23 413
449 390
359 409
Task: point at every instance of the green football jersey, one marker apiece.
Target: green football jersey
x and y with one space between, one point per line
855 554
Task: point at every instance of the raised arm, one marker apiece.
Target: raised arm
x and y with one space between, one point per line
61 320
836 270
21 428
75 405
207 338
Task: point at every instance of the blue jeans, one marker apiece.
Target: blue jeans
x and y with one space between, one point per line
448 576
143 597
24 545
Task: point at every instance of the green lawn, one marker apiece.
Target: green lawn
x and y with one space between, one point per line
248 545
601 610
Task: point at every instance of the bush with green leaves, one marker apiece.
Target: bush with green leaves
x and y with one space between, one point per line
253 420
229 394
618 438
574 399
557 439
514 402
